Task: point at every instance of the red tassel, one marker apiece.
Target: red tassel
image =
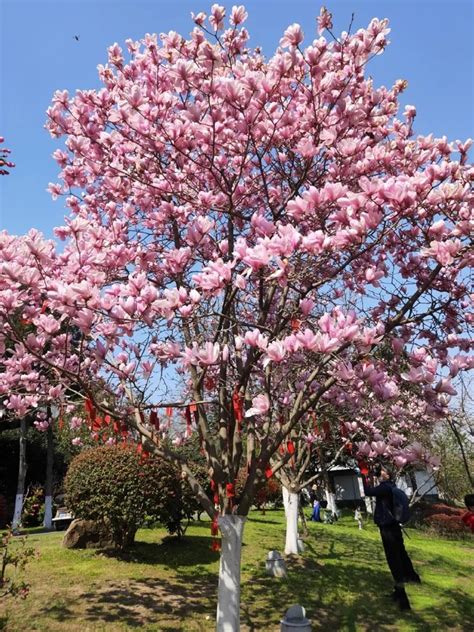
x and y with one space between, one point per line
237 405
97 424
187 415
154 421
295 324
281 450
268 472
169 411
290 446
90 409
214 527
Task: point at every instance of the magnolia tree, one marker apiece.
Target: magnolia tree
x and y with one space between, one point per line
255 229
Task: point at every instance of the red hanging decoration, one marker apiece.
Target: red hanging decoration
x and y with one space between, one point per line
268 472
281 450
187 415
97 424
326 429
214 526
90 409
237 405
154 421
295 324
290 446
169 411
215 544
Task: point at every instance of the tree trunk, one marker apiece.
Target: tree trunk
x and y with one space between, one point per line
367 499
228 593
331 500
290 500
20 489
48 488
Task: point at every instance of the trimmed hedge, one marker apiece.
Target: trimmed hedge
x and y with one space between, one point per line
119 487
444 520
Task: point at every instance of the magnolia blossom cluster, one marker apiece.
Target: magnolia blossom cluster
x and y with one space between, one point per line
270 228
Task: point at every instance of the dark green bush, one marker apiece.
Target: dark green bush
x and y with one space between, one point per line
119 487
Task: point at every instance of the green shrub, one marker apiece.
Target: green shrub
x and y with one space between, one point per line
121 488
33 507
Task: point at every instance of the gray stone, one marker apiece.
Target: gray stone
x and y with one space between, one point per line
87 534
275 564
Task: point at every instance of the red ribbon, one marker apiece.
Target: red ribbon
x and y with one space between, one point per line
237 405
90 409
154 421
187 414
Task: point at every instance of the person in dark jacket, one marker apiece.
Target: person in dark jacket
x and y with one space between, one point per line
398 561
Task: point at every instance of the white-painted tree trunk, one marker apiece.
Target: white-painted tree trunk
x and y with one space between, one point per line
291 512
17 511
48 512
20 488
228 593
331 500
367 500
48 501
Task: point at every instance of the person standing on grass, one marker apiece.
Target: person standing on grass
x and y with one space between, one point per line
398 560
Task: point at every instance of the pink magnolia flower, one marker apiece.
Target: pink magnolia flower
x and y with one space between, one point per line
445 386
260 405
292 37
238 15
324 20
276 352
255 338
306 306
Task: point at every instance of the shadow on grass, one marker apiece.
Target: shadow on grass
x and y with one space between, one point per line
170 553
343 589
147 601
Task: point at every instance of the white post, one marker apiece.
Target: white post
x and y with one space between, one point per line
228 593
291 545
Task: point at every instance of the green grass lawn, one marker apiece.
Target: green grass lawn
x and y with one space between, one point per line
162 585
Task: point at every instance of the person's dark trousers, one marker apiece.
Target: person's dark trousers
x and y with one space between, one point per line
397 558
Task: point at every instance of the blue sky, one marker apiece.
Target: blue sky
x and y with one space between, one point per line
432 47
